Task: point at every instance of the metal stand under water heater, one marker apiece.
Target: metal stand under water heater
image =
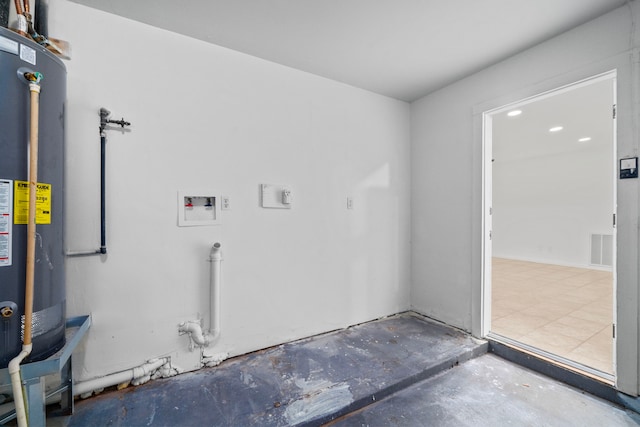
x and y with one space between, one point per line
22 61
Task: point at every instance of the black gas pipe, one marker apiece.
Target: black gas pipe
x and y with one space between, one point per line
104 121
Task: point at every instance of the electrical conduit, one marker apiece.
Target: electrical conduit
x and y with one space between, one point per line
14 364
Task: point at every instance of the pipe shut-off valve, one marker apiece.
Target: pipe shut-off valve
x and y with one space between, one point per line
105 120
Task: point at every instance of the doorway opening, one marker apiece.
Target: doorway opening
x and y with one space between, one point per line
549 225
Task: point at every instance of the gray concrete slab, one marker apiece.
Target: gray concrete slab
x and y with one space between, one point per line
400 371
489 391
301 383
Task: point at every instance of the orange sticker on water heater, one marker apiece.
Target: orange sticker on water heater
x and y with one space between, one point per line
21 203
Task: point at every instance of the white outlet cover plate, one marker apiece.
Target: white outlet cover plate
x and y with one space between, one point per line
272 196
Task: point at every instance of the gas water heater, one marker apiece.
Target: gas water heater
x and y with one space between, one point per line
19 55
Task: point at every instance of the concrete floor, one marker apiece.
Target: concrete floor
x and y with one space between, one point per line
399 371
489 391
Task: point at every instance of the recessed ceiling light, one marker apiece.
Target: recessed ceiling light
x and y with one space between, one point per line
556 129
585 139
514 113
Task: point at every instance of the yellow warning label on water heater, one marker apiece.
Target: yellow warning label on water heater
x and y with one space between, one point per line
21 203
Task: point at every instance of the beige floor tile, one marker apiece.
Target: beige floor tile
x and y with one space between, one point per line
579 280
562 310
602 307
603 339
576 328
559 275
498 311
517 304
518 323
598 292
576 297
596 352
549 312
568 305
593 316
553 343
577 323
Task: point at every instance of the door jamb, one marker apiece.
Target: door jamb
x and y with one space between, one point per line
487 177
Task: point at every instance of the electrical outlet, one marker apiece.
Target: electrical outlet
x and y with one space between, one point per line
349 202
226 203
276 196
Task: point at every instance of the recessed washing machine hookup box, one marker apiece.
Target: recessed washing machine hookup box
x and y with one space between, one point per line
199 207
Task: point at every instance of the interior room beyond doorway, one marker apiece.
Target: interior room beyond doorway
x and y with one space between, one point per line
550 188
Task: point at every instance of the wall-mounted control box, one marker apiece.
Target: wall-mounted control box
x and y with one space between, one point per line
200 207
629 168
276 196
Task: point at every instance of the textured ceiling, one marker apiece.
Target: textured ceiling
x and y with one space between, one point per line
404 49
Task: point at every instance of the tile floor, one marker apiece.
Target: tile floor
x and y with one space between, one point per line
566 311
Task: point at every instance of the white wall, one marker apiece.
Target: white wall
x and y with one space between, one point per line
545 208
446 172
205 116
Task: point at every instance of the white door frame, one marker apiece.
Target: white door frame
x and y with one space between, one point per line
487 196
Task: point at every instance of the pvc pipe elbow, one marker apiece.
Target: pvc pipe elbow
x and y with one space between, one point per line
16 385
195 332
215 254
213 336
14 364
